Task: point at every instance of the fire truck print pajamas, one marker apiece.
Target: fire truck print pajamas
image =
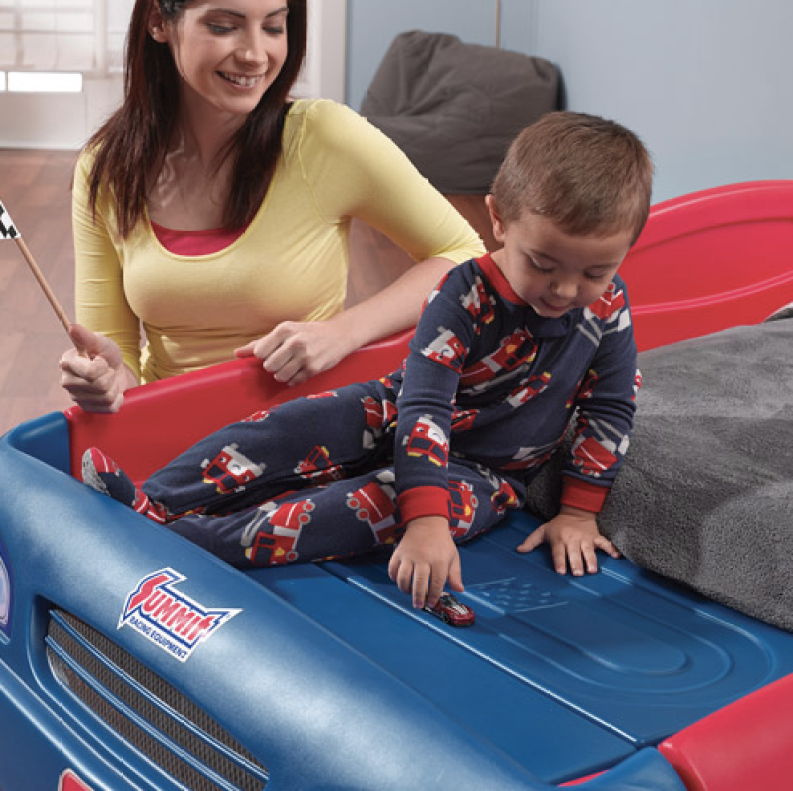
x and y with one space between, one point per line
485 397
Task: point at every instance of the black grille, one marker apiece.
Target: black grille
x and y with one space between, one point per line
147 712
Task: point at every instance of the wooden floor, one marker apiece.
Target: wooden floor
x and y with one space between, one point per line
35 189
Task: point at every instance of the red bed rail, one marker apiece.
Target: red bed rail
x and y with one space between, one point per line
712 260
704 262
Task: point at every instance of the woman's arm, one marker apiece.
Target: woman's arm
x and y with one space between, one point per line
295 351
110 364
356 172
100 302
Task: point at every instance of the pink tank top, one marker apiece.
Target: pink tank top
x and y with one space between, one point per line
194 243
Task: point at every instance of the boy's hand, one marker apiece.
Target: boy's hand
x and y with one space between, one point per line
424 560
574 536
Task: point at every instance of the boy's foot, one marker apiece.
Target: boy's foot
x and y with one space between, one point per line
101 473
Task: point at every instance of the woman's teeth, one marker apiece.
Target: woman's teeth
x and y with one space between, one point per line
238 79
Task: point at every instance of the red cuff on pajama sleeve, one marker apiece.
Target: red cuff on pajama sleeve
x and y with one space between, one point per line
580 494
423 501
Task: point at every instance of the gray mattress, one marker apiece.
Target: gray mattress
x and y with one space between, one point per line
706 493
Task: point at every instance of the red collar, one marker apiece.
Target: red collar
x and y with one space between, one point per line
496 277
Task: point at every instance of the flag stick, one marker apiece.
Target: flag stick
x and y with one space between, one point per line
9 231
57 307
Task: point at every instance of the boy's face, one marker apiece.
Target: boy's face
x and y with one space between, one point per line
551 270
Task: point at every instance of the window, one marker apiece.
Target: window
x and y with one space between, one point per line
43 81
50 45
61 64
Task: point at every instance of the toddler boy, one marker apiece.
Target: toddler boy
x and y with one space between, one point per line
510 348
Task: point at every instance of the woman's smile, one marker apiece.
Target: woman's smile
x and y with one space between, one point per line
241 80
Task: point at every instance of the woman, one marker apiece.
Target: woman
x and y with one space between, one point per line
215 213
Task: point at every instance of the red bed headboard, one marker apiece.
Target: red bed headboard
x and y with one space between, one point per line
712 260
705 262
159 420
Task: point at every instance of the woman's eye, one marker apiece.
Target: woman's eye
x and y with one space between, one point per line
219 30
275 31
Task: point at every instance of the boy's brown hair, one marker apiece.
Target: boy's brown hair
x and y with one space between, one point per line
590 176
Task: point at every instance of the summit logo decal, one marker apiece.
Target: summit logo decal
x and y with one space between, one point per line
168 618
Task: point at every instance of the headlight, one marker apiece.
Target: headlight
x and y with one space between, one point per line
5 594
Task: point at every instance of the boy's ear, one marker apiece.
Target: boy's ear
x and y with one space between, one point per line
158 30
495 218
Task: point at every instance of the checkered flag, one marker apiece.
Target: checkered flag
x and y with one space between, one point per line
7 228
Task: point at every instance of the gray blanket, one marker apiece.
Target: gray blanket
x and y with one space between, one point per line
706 493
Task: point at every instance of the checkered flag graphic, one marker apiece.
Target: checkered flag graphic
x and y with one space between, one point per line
7 228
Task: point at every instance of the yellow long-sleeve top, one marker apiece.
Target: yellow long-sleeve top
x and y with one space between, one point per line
290 263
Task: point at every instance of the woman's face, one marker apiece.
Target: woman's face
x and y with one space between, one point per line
228 52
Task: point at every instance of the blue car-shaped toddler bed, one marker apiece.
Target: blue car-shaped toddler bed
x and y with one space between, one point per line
132 659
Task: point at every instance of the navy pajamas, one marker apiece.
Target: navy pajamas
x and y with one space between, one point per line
484 398
307 480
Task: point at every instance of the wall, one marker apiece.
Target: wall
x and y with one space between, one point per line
704 82
372 25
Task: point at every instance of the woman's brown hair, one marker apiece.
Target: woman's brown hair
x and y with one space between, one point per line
133 142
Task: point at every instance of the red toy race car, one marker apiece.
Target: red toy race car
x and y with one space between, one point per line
451 611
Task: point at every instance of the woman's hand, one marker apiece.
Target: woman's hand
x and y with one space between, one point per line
297 350
574 536
96 376
424 560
